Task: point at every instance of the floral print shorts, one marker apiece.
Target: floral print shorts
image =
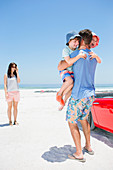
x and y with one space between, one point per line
78 109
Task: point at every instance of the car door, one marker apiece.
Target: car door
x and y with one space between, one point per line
103 108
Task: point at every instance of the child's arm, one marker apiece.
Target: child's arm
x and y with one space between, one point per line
70 61
93 55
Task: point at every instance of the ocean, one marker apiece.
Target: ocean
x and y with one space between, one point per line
49 87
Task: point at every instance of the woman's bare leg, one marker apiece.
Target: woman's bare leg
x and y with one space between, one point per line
9 111
15 111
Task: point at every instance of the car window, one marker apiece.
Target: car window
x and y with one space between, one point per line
104 95
108 97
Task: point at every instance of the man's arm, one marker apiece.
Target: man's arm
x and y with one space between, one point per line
63 65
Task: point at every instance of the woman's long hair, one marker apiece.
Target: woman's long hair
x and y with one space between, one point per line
9 70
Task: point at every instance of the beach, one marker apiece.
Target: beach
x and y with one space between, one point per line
42 141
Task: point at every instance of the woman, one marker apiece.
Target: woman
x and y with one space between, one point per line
11 80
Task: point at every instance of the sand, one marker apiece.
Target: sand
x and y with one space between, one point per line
42 140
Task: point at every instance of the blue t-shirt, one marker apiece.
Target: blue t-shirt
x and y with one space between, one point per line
84 72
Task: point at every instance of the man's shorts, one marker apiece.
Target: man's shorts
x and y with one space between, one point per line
13 96
66 73
78 109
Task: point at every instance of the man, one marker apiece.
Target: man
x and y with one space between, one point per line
82 96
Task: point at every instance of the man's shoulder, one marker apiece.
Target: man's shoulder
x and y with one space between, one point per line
74 53
85 50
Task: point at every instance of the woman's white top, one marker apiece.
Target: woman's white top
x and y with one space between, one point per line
12 84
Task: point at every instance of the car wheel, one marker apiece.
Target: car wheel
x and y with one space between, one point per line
91 122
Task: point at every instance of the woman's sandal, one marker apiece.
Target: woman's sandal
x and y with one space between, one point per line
10 123
16 123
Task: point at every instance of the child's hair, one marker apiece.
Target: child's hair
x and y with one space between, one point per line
9 70
70 36
77 38
86 35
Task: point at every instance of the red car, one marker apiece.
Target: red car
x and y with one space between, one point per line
101 114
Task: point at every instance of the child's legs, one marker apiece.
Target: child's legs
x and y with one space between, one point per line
68 82
68 94
68 89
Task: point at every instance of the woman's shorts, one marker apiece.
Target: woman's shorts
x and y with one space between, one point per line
66 73
78 109
13 96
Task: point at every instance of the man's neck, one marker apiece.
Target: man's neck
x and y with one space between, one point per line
83 47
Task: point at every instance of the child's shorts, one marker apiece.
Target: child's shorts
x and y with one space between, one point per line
78 109
66 73
13 96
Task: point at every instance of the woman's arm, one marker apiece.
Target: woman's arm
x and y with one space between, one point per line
5 85
18 78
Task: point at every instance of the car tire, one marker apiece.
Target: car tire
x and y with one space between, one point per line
91 122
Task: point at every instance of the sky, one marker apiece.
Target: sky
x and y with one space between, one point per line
32 34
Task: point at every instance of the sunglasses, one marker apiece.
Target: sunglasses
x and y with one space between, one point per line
13 66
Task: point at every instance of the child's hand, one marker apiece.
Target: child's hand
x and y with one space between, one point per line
93 55
83 55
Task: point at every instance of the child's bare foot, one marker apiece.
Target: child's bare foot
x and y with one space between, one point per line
61 107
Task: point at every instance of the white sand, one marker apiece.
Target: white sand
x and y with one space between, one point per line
42 140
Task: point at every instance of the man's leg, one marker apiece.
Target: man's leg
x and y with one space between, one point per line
85 124
77 139
86 130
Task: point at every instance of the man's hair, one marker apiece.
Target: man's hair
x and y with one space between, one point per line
86 35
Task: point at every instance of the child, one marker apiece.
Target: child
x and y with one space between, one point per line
94 43
95 40
72 42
